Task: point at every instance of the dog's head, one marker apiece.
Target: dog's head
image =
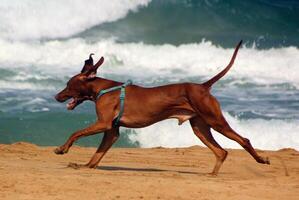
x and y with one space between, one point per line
77 88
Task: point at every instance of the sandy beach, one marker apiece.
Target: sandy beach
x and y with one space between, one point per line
28 171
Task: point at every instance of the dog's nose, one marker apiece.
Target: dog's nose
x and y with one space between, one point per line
57 97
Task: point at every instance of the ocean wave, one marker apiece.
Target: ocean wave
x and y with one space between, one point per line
268 23
24 85
263 134
28 78
9 104
29 19
60 59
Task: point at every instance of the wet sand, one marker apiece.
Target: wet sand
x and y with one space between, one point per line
31 172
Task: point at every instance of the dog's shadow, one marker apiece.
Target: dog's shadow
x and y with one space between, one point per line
118 168
135 169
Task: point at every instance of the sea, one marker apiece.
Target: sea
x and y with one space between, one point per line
152 42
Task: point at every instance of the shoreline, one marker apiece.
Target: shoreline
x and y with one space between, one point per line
28 171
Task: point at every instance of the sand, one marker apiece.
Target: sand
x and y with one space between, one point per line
31 172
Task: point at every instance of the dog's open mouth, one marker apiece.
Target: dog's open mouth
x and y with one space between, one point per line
76 101
72 104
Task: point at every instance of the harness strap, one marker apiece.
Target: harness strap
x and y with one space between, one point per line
122 96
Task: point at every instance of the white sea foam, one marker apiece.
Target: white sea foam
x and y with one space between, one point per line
61 58
263 134
8 84
28 103
30 19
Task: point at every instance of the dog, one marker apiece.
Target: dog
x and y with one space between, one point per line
146 106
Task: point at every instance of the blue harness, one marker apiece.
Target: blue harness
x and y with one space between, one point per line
122 96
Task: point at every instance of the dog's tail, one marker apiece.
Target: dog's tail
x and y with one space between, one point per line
213 80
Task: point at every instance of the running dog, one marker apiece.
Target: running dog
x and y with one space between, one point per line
145 106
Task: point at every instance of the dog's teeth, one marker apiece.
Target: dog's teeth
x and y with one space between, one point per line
69 104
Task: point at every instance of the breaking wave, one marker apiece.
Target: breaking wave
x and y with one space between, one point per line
57 59
29 19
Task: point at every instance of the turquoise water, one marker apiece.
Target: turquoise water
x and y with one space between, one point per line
265 23
153 43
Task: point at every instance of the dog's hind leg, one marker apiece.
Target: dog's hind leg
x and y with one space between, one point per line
108 140
224 128
202 131
216 120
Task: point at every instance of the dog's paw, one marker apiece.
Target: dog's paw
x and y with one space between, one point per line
76 166
267 161
59 151
264 160
73 165
212 174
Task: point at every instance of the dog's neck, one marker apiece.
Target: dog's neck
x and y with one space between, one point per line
99 84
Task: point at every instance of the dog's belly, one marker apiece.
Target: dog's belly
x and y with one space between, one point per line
145 120
182 117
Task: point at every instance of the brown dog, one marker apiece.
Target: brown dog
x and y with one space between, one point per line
146 106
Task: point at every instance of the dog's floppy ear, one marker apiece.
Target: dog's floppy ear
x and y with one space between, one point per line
90 70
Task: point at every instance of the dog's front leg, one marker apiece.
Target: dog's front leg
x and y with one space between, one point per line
108 140
99 126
